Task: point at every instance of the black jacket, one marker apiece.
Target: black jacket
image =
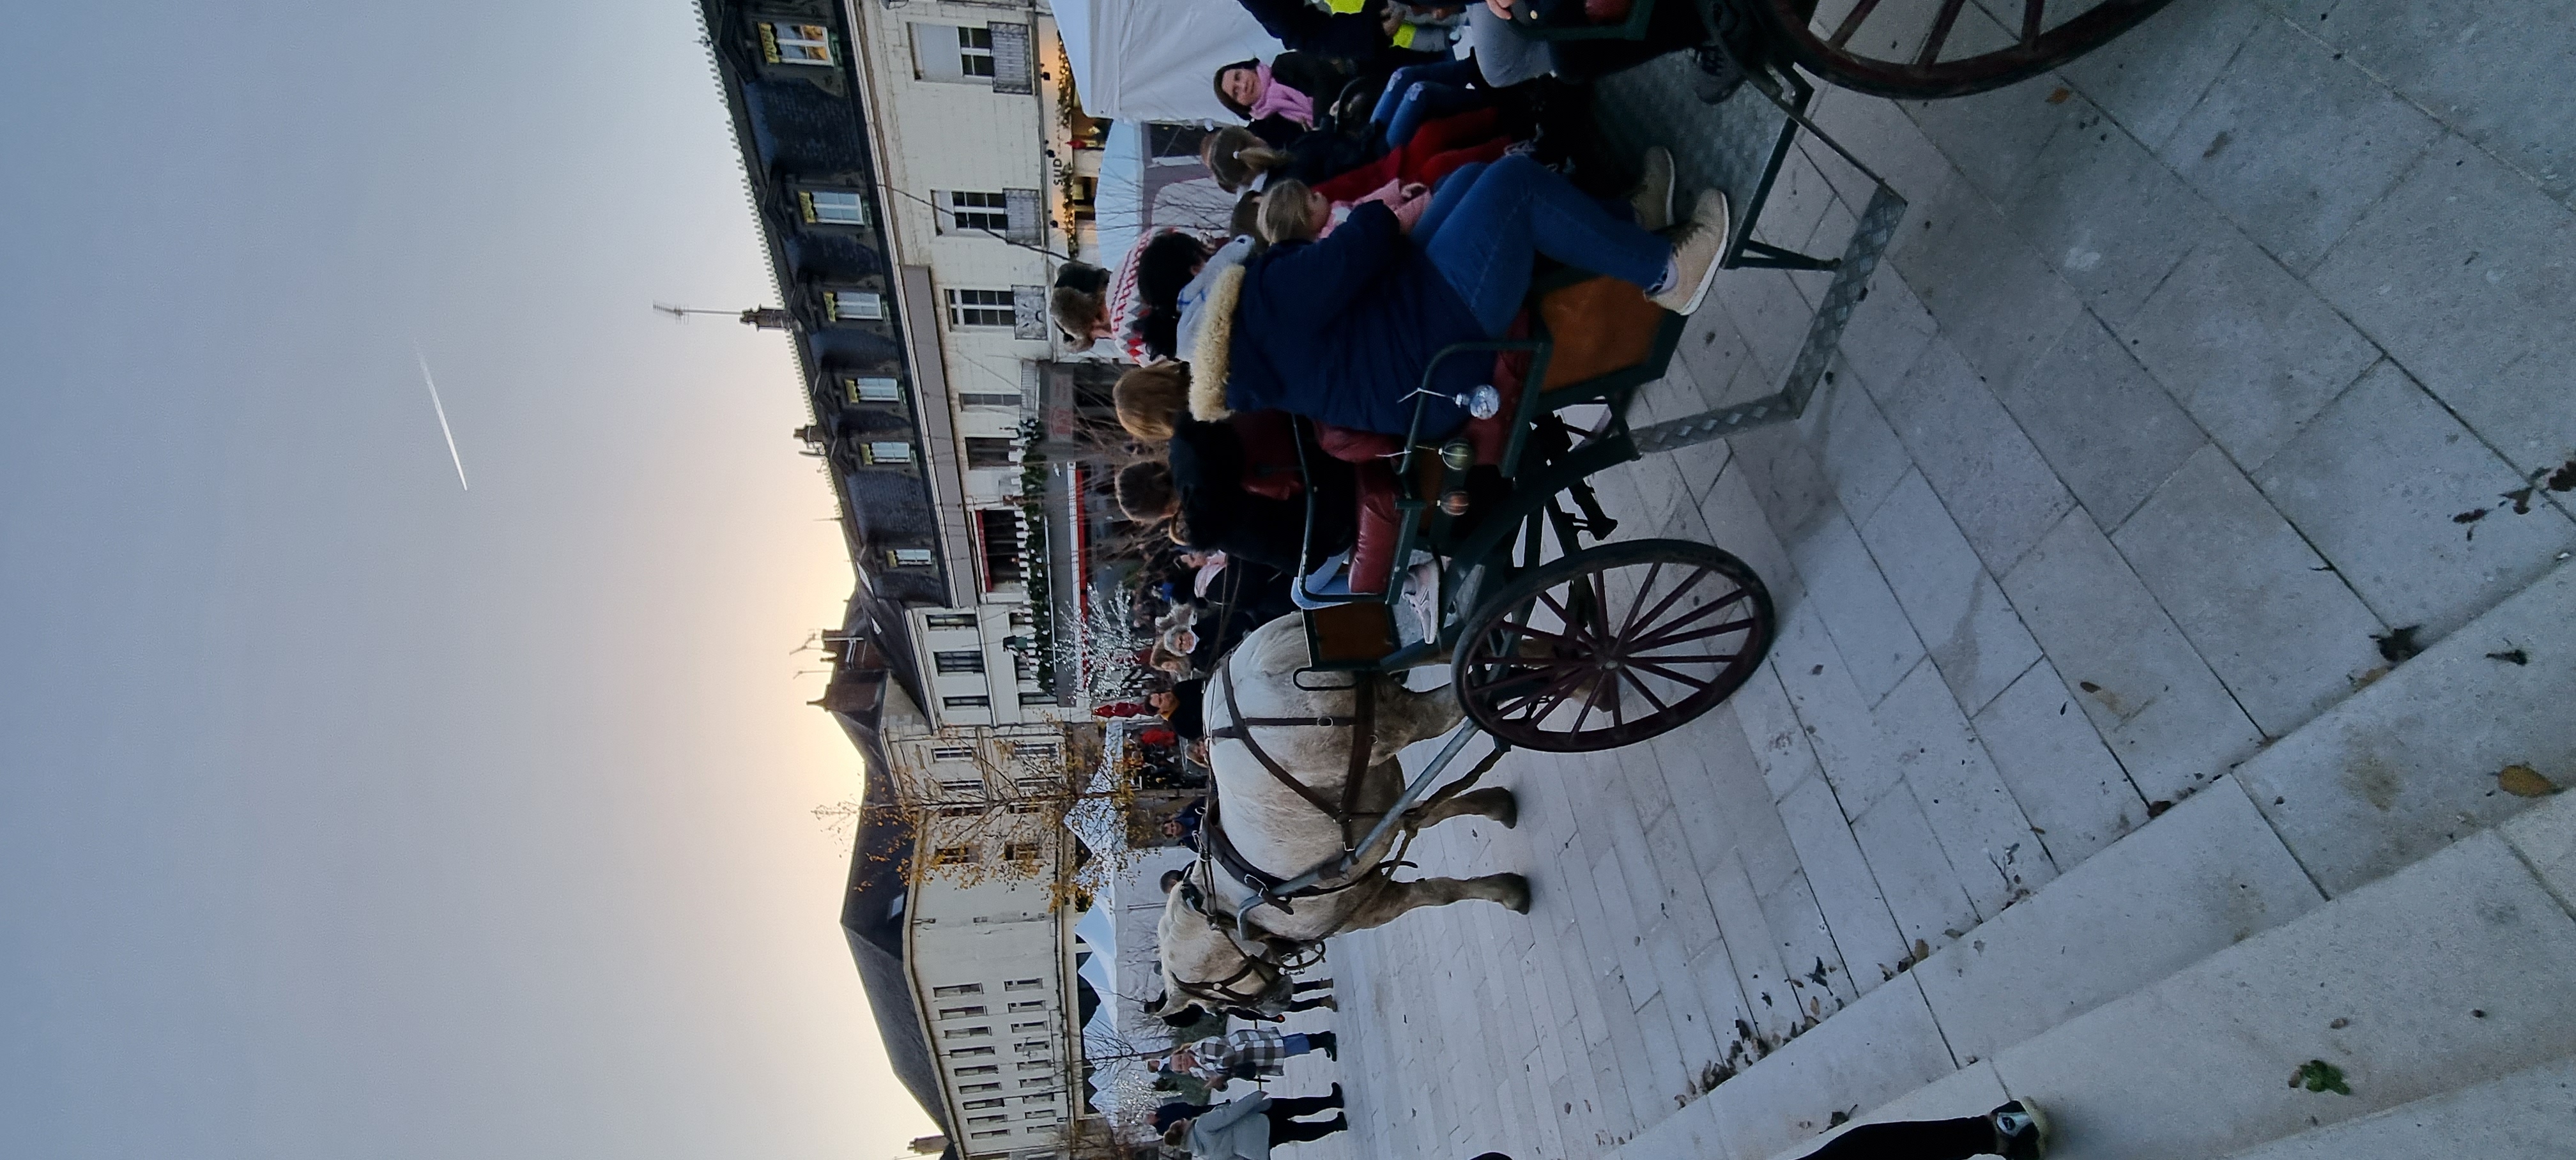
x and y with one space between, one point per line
1208 467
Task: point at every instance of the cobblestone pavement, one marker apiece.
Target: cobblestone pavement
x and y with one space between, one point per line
2194 368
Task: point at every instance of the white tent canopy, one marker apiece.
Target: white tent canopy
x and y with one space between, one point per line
1156 60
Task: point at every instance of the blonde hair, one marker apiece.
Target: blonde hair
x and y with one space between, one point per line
1149 397
1284 213
1236 155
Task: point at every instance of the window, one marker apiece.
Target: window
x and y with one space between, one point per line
872 389
998 529
959 662
1040 1082
979 308
938 620
967 702
965 788
975 51
952 753
1034 697
981 1069
1035 1024
1038 753
790 42
1024 807
981 399
962 1012
832 207
971 210
909 557
1023 852
988 1135
968 1052
886 451
958 989
1023 618
966 1032
1004 1119
964 1088
988 451
1042 1114
1023 984
992 1103
1026 1046
1034 1065
953 856
1029 1005
1034 1156
855 305
961 812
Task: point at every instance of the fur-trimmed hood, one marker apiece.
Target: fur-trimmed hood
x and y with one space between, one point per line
1211 355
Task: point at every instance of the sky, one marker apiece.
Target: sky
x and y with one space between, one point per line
345 811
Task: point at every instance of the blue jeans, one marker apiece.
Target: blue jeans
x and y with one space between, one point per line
1499 218
1296 1044
1423 92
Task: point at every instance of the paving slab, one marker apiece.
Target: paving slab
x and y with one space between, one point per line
2296 183
2281 629
2464 273
2528 1115
1992 137
1852 442
1834 713
1888 330
1876 1049
2468 965
2107 212
1846 893
1993 853
2250 351
1974 637
2545 837
2496 73
2101 421
1845 587
2411 763
1997 487
2207 875
1923 893
2379 483
2154 74
1772 731
2074 792
2167 718
1997 300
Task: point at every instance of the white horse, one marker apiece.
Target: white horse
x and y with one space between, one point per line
1206 960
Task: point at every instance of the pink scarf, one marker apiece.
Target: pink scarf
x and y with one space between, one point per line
1282 100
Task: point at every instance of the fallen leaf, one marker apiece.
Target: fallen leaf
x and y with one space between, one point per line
2524 781
2511 656
2521 498
2157 809
2398 644
2320 1076
2088 686
2058 97
2339 1024
2564 479
2470 516
2363 681
1922 950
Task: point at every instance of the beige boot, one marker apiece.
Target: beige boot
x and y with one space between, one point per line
1697 246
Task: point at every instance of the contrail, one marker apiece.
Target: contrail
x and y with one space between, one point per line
442 417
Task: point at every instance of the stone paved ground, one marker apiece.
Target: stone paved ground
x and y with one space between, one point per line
2172 394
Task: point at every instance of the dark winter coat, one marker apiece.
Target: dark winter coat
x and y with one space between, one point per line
1211 466
1340 330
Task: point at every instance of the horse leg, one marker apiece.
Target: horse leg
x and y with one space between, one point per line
1491 802
1511 890
1405 716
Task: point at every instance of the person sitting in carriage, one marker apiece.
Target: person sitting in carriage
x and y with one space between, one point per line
1343 329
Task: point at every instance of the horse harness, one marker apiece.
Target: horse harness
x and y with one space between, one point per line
1363 725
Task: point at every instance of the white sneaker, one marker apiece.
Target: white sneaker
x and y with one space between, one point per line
1697 246
1653 199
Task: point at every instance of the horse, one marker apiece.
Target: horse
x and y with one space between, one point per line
1208 959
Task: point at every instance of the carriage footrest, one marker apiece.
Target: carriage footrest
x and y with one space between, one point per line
1350 637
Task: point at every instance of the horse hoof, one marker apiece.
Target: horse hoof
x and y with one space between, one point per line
1508 812
1516 893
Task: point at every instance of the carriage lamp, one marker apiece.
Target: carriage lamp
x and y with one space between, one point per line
1454 503
1458 454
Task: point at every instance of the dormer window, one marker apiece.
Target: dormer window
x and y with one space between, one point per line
886 451
794 42
871 389
832 207
855 305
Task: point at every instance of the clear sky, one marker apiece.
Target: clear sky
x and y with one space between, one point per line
345 812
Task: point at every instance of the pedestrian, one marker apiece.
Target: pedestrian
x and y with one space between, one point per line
2015 1131
1247 1128
1249 1053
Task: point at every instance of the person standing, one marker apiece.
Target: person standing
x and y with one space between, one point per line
1247 1128
1249 1053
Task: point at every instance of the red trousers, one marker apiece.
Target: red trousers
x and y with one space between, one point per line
1434 150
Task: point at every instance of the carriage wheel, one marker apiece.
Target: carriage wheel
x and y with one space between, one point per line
1919 49
1612 645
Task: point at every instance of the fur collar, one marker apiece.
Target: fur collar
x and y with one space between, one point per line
1209 360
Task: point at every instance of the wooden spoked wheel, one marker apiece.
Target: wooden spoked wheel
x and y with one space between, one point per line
1612 645
1921 49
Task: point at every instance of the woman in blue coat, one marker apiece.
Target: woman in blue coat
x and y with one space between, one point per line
1343 328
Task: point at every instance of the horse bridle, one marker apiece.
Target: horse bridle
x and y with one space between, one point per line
1221 991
